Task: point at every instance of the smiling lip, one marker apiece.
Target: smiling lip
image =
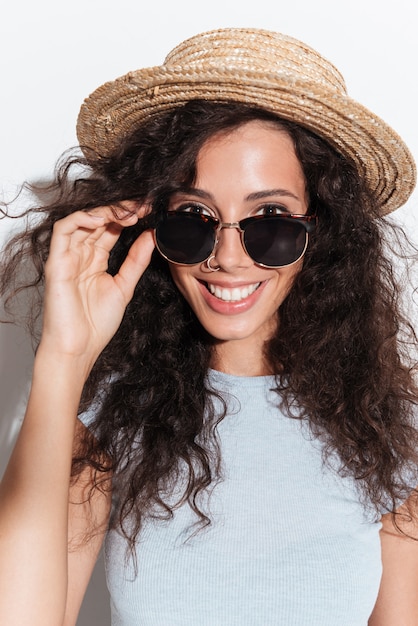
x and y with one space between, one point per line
226 306
232 294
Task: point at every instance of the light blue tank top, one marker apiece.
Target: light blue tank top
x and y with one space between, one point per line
289 544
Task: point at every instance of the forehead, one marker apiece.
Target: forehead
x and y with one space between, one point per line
256 155
254 131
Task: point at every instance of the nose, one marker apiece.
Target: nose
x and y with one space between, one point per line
229 251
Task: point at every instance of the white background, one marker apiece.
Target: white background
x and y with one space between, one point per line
53 54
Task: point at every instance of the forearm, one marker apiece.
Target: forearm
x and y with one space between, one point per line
34 499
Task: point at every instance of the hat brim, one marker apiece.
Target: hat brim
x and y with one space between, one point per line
117 108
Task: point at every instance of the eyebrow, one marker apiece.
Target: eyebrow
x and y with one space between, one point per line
256 195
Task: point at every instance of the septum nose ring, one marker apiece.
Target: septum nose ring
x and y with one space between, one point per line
220 227
209 266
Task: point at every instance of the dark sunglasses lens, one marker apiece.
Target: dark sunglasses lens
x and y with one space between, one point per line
275 241
185 238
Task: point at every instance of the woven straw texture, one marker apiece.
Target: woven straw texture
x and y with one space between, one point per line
258 67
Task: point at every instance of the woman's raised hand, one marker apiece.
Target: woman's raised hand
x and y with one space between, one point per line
84 305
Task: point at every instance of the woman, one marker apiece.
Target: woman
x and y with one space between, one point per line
244 390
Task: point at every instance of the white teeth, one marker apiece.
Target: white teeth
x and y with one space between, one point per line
233 295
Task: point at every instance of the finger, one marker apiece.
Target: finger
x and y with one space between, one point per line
106 237
89 226
112 220
127 210
127 207
131 213
136 262
79 222
99 226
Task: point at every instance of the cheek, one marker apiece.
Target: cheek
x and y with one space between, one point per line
180 275
174 272
287 276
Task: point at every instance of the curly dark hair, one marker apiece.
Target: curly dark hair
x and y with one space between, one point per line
340 353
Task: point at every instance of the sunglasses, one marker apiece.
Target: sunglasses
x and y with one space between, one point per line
270 240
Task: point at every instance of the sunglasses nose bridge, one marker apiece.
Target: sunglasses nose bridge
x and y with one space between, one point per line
222 225
227 225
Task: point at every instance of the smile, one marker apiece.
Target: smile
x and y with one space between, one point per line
232 295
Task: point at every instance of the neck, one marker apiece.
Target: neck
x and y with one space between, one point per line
230 358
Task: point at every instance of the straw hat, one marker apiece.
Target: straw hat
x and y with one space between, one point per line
266 69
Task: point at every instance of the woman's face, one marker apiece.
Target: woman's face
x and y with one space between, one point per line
248 171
